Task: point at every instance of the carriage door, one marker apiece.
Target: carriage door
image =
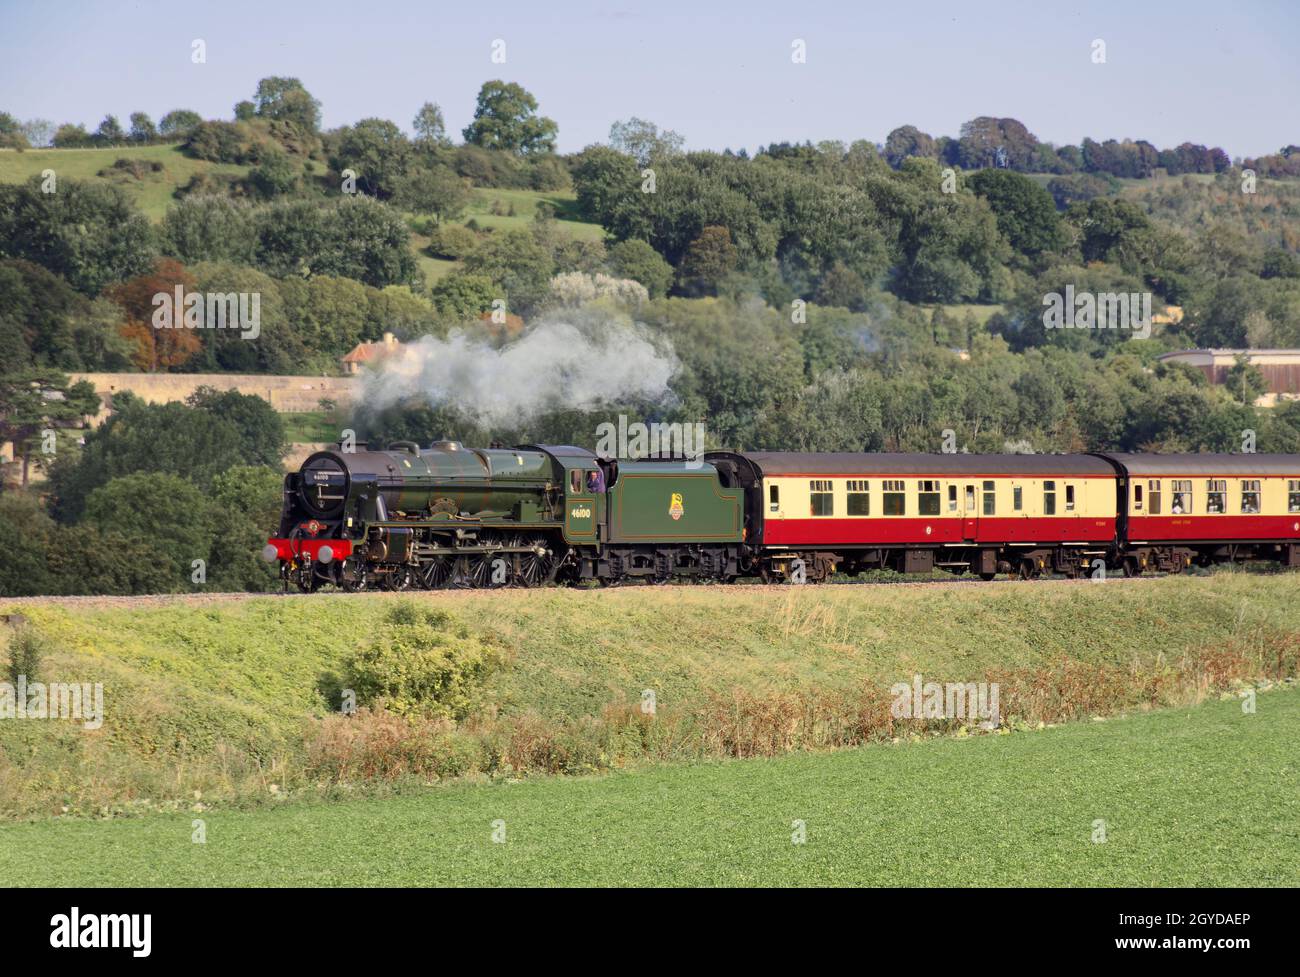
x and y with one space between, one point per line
970 514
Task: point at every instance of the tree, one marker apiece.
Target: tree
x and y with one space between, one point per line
178 123
1244 381
142 128
166 511
109 132
207 227
275 175
90 233
172 438
463 296
69 136
377 150
11 133
245 111
438 192
505 118
286 99
710 258
639 261
518 264
643 140
156 348
261 431
39 132
430 127
1025 211
33 404
908 141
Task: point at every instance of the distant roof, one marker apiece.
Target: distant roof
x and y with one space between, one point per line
1209 464
364 352
884 463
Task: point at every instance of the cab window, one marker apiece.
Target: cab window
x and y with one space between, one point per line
575 481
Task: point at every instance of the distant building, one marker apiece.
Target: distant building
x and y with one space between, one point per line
1279 367
369 353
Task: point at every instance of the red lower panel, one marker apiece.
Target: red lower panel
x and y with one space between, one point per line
1153 529
885 531
287 549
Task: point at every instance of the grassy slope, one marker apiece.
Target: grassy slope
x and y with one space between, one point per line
152 194
1206 796
217 696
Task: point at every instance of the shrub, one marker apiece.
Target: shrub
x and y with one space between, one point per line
416 666
452 241
26 653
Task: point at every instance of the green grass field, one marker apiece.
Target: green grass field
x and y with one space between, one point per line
1207 796
309 426
153 194
227 697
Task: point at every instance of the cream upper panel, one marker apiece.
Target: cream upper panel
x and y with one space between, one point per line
842 497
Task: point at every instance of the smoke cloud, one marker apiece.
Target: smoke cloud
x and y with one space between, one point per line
581 361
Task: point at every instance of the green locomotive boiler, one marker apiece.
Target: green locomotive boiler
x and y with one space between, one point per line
451 516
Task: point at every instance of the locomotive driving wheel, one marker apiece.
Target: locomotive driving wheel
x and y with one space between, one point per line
537 567
435 573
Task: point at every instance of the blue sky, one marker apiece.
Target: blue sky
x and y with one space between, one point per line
719 73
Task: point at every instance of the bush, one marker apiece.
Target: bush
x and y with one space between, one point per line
415 666
26 653
452 241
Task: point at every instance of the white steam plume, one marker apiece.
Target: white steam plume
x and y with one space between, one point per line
582 361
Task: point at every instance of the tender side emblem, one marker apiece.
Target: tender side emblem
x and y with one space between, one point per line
675 507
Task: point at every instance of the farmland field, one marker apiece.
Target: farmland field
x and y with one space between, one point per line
1197 796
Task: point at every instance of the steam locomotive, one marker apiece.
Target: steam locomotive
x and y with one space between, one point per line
451 516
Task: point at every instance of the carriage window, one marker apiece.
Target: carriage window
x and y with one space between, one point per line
928 501
895 502
1049 498
1250 496
1017 498
773 498
952 497
575 481
1293 495
1069 498
1182 491
1137 497
859 498
1216 496
823 502
988 498
1153 496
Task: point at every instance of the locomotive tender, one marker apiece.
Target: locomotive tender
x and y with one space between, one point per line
448 515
